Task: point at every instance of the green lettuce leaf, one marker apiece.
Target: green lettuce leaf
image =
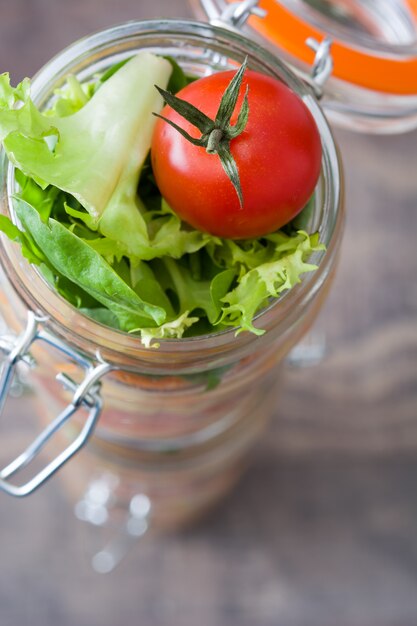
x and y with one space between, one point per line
101 315
196 294
96 148
29 249
77 261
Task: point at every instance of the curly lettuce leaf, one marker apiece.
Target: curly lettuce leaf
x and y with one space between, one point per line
71 97
170 330
269 280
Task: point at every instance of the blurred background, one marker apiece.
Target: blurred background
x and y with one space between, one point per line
322 528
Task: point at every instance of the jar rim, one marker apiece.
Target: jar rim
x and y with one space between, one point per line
88 334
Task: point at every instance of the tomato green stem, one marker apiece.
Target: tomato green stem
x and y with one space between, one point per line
214 140
218 133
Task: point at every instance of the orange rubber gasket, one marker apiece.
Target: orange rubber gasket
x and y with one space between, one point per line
375 72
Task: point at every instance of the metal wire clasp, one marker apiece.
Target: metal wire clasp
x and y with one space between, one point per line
237 13
85 395
322 64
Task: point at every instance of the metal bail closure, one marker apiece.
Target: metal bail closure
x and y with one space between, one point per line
86 395
237 13
322 64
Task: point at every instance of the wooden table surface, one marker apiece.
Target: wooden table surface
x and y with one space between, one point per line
321 531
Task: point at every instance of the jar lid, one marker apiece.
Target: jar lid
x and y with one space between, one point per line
373 85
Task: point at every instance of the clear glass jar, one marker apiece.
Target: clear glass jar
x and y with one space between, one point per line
373 85
195 398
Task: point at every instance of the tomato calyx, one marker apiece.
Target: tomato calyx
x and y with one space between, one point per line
218 133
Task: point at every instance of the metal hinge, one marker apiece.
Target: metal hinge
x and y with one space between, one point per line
86 395
236 14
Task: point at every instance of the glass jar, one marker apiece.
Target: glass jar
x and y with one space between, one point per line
373 84
122 490
192 401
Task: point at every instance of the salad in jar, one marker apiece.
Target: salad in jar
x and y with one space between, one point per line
160 204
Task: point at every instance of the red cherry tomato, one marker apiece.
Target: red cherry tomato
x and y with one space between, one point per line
278 156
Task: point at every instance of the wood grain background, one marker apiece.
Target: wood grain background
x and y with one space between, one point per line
322 529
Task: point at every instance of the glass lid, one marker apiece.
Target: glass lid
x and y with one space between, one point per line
373 85
374 42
